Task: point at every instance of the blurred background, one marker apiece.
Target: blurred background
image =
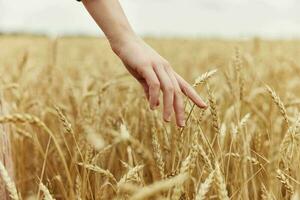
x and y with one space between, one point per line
188 18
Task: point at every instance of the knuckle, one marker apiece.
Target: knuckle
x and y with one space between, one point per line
181 109
169 88
144 71
156 65
142 67
179 104
145 63
167 66
155 85
178 92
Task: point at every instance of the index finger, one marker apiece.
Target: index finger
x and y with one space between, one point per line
190 92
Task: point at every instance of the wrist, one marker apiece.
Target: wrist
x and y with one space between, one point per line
118 43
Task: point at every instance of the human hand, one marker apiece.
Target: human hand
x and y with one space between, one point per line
155 73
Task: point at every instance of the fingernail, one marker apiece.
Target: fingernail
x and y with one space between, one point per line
204 105
168 118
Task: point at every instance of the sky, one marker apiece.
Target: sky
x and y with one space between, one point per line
197 18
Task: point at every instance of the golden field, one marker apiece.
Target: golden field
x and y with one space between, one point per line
81 128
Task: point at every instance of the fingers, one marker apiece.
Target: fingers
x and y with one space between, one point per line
168 91
172 85
146 89
189 91
178 103
153 87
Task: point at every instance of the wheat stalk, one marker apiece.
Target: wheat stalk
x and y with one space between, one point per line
279 104
204 77
131 175
158 186
251 159
205 157
214 112
186 167
78 188
67 125
239 77
158 153
10 185
285 181
97 169
138 147
205 186
23 118
47 195
221 185
265 195
290 142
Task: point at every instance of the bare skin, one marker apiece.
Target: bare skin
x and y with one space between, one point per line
152 71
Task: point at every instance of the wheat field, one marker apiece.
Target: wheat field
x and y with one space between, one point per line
80 126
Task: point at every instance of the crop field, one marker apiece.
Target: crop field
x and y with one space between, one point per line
81 128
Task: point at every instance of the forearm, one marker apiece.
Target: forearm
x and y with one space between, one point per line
151 70
110 17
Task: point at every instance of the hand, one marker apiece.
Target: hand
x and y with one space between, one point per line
155 74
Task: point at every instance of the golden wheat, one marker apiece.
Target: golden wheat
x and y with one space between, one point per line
78 122
10 185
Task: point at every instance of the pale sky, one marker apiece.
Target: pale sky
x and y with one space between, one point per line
203 18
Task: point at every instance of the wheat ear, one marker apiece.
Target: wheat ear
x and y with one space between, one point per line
132 174
10 185
47 194
205 186
279 104
221 185
95 168
204 77
158 153
285 181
